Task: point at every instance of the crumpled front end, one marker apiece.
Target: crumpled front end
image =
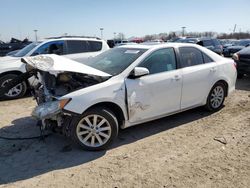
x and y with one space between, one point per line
53 84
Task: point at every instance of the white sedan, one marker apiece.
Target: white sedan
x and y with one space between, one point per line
126 86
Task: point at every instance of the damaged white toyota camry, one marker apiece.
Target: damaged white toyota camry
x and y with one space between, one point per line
125 86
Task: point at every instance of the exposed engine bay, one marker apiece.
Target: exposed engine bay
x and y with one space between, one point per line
51 86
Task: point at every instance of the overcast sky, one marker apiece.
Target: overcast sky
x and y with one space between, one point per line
18 18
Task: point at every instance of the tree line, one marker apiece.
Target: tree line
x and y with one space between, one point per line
172 35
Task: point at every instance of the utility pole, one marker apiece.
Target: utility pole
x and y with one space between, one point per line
234 28
183 31
101 29
35 34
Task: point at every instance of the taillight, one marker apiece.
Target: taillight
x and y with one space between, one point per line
236 57
235 65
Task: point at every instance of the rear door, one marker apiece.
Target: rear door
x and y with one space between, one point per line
199 71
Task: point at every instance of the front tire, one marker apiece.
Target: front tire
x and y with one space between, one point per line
216 97
95 129
16 92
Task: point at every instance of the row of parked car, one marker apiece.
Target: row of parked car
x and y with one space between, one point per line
239 50
80 48
222 47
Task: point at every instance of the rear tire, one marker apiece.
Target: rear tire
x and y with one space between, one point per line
16 92
216 97
95 129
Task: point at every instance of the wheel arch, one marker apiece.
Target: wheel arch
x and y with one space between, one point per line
16 72
113 107
224 82
11 72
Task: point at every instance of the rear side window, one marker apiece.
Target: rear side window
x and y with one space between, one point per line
190 56
206 58
77 46
95 46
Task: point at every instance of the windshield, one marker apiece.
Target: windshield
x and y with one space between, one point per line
26 49
115 60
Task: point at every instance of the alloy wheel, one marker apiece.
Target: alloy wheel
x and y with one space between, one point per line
217 97
93 130
13 92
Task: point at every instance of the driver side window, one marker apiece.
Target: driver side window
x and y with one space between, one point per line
160 61
55 47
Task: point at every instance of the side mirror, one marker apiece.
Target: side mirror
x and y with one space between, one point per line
138 72
247 45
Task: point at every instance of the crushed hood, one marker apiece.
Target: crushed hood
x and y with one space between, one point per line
55 64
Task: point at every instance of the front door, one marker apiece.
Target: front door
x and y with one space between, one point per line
158 93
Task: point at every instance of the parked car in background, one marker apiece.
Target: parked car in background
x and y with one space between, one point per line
211 44
242 59
153 42
13 45
227 42
126 86
237 46
76 48
126 43
116 42
12 53
188 40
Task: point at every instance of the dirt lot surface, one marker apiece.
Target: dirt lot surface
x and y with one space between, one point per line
191 149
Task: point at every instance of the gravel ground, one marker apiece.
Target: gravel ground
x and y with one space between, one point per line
191 149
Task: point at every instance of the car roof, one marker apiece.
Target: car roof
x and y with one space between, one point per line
169 44
213 55
69 38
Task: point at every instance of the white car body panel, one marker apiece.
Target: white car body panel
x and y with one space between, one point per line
112 90
197 82
153 96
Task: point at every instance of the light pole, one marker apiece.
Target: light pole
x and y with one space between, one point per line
35 34
183 31
101 29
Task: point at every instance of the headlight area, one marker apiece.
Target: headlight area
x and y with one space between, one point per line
49 109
